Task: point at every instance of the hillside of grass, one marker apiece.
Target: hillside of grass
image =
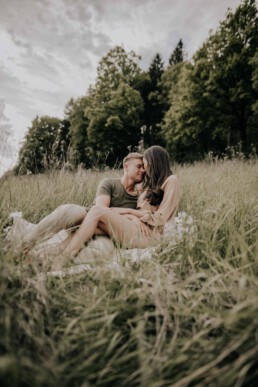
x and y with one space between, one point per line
188 316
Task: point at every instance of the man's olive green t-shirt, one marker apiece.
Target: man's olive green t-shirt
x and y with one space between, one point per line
114 188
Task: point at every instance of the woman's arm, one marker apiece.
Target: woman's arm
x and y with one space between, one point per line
168 205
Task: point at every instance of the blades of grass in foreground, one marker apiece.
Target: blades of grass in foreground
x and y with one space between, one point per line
185 317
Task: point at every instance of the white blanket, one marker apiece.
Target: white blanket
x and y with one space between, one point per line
181 228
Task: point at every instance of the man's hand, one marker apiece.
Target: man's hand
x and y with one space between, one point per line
121 211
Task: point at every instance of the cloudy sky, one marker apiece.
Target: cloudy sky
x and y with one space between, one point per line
49 49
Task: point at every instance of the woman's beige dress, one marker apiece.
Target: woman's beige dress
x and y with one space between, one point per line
155 217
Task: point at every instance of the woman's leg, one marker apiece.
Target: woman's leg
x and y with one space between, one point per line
117 226
63 217
59 249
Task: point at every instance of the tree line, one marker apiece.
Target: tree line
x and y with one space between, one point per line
192 107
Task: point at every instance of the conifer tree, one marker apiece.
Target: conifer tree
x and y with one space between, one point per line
178 54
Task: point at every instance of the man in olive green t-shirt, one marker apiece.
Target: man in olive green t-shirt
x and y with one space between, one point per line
111 192
115 192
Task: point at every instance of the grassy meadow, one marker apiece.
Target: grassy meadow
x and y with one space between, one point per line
186 317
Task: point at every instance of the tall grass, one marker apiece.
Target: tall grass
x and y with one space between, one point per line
186 317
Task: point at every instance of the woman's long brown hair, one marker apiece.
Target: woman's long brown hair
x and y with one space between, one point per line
158 170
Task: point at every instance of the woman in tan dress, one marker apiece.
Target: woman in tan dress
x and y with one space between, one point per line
131 228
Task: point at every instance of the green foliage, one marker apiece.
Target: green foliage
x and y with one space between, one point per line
115 67
153 108
114 108
114 126
180 128
156 70
185 317
253 134
80 146
178 55
216 96
222 67
45 145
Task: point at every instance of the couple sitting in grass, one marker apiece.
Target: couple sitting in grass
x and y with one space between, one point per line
132 210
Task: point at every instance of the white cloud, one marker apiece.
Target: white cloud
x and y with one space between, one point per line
50 48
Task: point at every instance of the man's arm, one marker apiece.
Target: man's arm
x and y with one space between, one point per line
129 211
103 200
104 192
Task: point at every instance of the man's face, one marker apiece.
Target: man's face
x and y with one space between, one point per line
134 169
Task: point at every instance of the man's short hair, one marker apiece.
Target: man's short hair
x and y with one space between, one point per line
132 155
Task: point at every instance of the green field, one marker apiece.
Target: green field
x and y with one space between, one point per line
186 317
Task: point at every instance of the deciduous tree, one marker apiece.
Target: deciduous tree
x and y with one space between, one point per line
45 145
114 126
80 147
